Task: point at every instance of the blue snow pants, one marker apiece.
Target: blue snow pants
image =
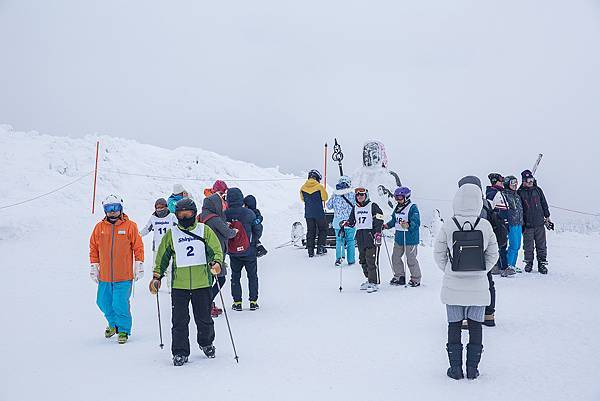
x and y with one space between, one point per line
515 234
346 244
113 301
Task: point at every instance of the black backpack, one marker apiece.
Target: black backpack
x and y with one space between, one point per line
467 248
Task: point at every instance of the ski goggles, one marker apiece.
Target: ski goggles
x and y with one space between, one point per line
113 207
360 191
529 180
513 182
185 214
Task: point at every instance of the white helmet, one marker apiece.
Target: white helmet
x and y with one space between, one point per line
112 203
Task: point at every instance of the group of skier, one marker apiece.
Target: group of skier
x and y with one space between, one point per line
189 248
469 248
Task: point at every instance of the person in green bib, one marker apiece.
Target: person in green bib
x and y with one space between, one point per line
197 256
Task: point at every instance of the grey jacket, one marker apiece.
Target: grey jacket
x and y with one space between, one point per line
515 208
214 206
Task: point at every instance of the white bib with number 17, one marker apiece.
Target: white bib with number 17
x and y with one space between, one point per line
364 217
189 251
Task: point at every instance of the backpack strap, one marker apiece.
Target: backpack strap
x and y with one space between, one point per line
461 228
208 217
191 234
347 201
457 223
476 222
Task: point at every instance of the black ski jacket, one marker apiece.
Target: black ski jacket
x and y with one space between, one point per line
535 207
365 238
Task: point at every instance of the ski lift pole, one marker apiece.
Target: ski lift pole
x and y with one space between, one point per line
338 156
325 167
537 163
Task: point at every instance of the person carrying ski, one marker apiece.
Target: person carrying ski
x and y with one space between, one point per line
242 248
195 253
495 194
313 194
342 202
160 221
406 220
178 194
465 286
515 224
367 218
213 216
488 213
536 215
116 258
250 203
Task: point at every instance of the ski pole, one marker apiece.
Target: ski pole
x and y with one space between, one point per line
227 320
388 254
159 324
405 260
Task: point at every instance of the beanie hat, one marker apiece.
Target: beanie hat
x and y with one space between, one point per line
469 179
526 174
178 188
220 186
160 201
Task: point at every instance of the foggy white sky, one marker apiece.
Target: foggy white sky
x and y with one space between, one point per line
451 87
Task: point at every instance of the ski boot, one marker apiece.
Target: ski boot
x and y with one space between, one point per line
455 358
237 306
542 267
338 262
209 351
372 288
509 271
413 283
254 305
123 337
364 286
395 281
528 267
473 357
321 250
110 331
215 311
179 360
495 270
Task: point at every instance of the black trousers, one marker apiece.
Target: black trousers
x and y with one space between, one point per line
535 236
367 258
215 288
315 228
475 332
251 265
491 308
201 300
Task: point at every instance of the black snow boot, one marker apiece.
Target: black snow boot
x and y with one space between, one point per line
455 358
528 266
489 320
542 267
209 350
179 360
473 357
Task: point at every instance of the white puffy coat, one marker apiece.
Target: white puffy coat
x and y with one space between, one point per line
465 288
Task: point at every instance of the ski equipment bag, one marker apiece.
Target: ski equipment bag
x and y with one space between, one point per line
467 248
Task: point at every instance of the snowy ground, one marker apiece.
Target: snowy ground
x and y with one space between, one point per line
308 341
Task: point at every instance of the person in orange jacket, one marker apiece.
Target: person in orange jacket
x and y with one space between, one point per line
115 247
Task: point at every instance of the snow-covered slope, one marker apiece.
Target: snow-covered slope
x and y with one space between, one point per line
34 164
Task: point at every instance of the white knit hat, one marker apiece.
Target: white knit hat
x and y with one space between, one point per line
178 188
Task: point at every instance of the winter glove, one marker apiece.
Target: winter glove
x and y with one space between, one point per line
405 224
94 272
215 267
549 224
343 223
377 239
139 270
155 284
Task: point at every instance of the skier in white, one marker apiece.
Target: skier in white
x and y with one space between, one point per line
160 221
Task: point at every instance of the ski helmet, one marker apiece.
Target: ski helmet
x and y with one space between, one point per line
362 191
344 182
508 180
160 202
495 177
314 174
112 203
402 191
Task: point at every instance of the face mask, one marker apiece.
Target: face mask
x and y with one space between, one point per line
162 213
187 221
112 220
